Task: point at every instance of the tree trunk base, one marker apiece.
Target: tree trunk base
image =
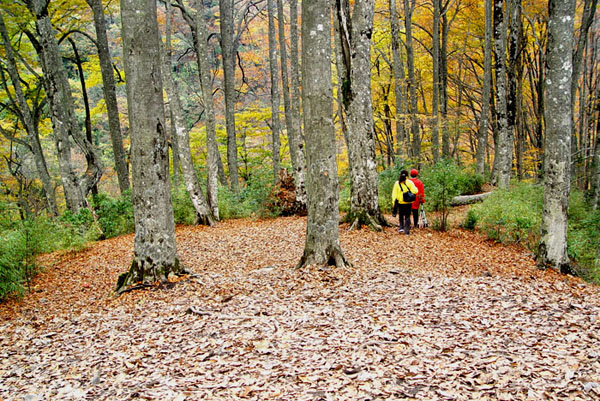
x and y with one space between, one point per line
135 276
357 219
205 220
334 257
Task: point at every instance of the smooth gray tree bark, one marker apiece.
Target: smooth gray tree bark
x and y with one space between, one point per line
64 121
298 162
596 170
356 30
409 7
557 155
435 102
87 125
589 14
285 83
322 246
155 252
300 172
212 151
445 25
204 215
228 50
485 95
28 121
504 143
399 85
515 74
181 136
196 22
110 95
171 133
274 72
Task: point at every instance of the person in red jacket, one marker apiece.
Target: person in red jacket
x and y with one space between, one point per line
420 196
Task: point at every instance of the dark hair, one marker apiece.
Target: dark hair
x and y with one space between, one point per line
403 175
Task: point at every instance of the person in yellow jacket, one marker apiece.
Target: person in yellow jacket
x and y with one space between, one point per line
400 194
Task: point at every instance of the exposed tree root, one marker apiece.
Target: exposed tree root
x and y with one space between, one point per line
333 256
357 219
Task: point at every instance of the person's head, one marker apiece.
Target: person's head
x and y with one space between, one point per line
414 173
403 175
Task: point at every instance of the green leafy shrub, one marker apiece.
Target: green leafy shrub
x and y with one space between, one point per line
582 240
183 208
115 216
515 215
442 183
252 200
468 182
470 221
71 230
511 216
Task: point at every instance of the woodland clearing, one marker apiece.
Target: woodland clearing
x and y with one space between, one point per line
436 316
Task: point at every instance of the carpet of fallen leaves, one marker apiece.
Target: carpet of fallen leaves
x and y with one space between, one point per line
430 316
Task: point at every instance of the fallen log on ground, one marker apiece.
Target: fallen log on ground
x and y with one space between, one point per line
468 199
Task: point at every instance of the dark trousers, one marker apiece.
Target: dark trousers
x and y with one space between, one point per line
404 217
415 213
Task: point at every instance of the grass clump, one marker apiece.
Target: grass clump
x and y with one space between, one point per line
19 247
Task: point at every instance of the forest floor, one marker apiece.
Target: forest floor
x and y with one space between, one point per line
430 316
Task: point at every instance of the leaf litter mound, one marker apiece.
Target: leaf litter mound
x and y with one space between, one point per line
430 316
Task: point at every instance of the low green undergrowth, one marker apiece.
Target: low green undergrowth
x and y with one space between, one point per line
514 217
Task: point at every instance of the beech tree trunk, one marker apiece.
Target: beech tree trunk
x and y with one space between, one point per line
596 169
290 124
589 14
443 80
435 52
504 143
399 85
557 155
155 253
485 95
513 75
110 95
300 172
409 6
212 151
86 101
64 121
322 246
274 70
285 83
204 215
171 133
356 30
228 52
28 122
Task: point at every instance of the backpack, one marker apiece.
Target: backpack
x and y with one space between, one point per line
408 196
